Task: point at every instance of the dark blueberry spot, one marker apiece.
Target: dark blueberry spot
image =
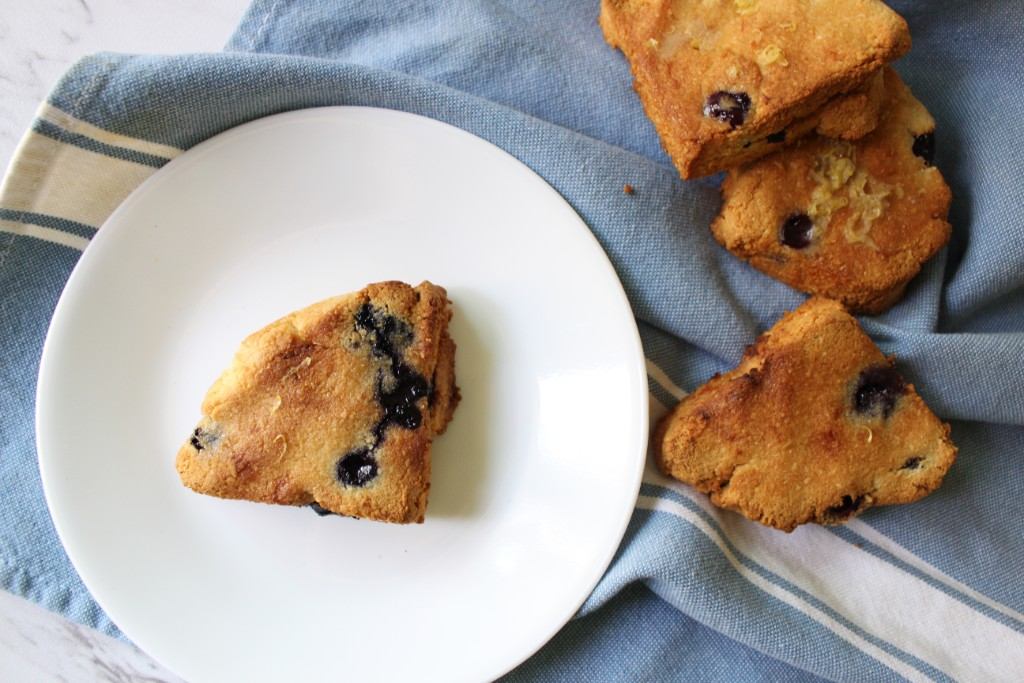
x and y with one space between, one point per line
196 439
730 107
386 333
378 327
398 390
924 147
357 468
399 399
777 137
403 413
364 317
747 144
796 231
912 463
878 389
846 509
320 509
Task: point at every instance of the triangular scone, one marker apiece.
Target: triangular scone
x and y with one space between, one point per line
334 405
728 81
852 221
814 425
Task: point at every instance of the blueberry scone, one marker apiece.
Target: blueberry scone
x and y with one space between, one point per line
850 220
727 81
849 116
814 425
334 406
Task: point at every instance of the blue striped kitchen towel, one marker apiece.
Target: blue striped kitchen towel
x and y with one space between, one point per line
930 591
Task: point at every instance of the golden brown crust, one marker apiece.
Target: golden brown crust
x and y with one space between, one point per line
878 210
305 391
854 114
791 58
779 438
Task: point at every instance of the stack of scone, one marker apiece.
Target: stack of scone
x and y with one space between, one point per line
831 190
853 220
728 81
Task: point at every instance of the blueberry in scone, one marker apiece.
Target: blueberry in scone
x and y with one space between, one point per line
850 220
334 406
727 81
814 425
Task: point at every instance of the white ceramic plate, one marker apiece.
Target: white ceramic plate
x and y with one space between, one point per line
533 484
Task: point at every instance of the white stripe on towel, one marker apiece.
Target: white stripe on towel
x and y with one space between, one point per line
43 233
659 376
794 601
59 117
64 181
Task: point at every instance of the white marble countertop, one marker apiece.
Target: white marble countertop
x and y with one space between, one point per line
39 40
